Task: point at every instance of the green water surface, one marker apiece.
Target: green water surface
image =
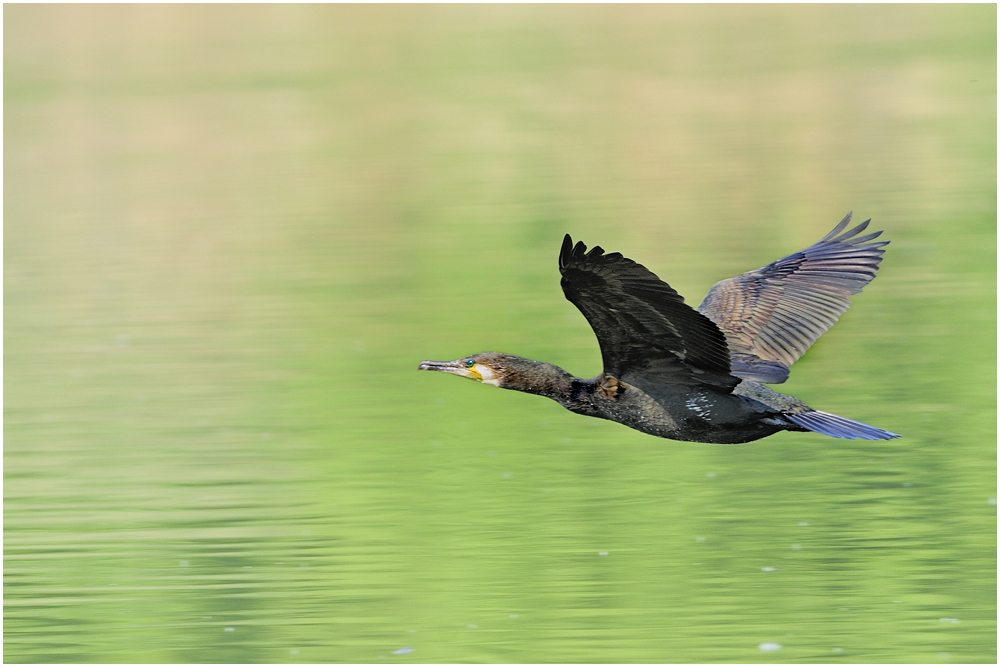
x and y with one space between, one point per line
232 232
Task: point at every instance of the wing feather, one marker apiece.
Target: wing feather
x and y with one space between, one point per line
772 315
648 336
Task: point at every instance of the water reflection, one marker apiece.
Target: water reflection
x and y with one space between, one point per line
223 258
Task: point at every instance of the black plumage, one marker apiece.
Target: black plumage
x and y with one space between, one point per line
685 374
643 326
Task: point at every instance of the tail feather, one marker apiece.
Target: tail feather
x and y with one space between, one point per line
838 427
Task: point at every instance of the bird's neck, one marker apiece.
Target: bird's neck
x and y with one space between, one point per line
538 377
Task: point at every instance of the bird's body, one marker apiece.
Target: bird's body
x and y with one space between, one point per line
675 372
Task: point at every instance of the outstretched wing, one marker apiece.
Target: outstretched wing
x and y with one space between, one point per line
648 336
772 315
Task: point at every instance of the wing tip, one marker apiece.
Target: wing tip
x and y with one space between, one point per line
565 251
835 235
577 252
839 228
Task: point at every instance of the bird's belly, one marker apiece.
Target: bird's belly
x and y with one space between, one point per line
692 417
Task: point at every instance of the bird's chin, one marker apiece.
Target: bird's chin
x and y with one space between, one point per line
453 367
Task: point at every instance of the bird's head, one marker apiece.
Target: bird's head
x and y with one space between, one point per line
507 371
485 367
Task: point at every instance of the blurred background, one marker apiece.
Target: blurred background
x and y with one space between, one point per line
232 232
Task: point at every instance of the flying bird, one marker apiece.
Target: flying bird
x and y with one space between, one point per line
698 374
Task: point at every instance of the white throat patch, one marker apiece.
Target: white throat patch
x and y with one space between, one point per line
489 377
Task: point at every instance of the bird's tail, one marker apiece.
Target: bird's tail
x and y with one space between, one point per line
838 427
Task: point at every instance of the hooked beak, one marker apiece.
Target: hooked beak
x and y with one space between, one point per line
456 367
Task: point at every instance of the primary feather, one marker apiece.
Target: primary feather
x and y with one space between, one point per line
773 314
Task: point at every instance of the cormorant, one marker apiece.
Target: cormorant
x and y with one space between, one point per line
685 374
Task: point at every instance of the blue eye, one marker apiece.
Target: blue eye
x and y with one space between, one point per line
469 363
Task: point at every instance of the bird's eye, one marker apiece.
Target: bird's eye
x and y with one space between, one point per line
469 363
